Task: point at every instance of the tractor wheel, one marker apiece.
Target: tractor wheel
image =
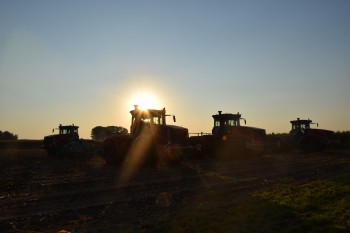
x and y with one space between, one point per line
51 152
73 149
143 152
312 145
227 150
170 156
307 146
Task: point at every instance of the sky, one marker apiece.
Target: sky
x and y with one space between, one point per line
88 62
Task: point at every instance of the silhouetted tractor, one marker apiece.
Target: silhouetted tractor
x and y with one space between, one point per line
229 139
303 137
151 141
67 143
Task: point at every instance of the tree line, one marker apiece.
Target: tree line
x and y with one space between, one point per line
6 135
97 133
101 132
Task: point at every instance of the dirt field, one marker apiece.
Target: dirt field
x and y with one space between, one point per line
42 194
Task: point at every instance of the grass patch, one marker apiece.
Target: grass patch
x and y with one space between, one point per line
323 204
315 206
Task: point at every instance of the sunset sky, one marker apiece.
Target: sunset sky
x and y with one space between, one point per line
88 62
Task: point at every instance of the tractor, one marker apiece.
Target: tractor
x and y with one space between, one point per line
151 141
303 137
67 143
229 139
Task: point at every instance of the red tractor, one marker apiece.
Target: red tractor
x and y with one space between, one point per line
67 143
150 140
303 137
229 139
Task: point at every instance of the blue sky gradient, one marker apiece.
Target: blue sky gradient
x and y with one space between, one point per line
83 62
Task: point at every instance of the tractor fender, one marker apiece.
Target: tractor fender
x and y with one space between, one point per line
170 154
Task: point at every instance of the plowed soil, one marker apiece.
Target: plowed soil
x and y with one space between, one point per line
43 194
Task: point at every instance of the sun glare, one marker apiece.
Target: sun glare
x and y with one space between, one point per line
145 101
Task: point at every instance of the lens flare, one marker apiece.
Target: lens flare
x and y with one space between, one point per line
140 153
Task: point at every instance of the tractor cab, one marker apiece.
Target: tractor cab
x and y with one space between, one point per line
299 127
69 130
223 123
141 119
146 119
66 134
309 139
230 136
151 138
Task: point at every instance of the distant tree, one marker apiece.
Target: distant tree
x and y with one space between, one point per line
100 132
8 136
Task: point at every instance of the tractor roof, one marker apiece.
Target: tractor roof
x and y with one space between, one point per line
147 113
68 126
298 121
227 116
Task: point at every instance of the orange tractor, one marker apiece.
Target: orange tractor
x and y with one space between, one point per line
229 139
150 141
303 137
67 143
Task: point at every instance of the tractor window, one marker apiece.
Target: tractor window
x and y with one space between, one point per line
229 123
157 120
153 120
64 131
232 123
217 123
147 120
295 126
68 131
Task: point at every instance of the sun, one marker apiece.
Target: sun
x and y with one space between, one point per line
145 100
